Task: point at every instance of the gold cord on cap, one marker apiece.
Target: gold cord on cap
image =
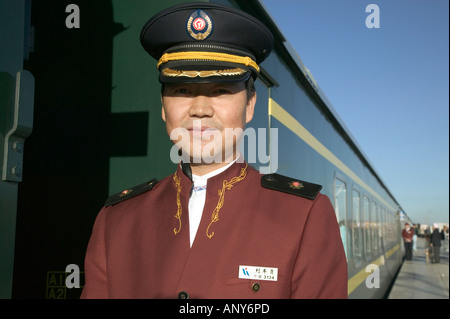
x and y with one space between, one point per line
202 74
212 56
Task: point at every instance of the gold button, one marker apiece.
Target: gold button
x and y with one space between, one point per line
183 295
255 287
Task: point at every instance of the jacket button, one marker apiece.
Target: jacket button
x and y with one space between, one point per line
255 287
183 295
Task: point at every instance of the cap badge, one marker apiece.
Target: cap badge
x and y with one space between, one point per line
125 192
199 25
295 185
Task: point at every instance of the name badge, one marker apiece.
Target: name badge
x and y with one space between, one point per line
258 273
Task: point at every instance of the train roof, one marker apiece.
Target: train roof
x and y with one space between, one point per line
291 56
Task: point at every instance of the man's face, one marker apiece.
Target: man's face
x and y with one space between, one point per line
208 113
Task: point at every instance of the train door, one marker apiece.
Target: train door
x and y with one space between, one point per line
97 129
16 122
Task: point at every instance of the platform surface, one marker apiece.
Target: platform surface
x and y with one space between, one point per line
418 279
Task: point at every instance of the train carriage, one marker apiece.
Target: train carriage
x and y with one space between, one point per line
95 132
313 144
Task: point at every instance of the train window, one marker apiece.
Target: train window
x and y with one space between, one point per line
340 207
379 225
366 226
392 227
357 234
388 225
382 225
374 214
385 224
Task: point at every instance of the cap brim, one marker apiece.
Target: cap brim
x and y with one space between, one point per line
204 74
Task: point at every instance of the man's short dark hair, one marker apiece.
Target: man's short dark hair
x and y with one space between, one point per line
250 87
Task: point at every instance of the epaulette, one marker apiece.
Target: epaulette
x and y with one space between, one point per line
131 192
291 186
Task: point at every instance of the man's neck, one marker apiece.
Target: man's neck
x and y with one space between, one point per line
201 169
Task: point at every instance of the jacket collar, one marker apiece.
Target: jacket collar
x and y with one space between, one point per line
214 183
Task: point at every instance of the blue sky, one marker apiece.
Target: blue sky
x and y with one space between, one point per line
389 85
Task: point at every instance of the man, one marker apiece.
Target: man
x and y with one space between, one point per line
407 235
216 228
435 244
444 237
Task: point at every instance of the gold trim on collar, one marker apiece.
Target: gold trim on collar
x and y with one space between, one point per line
226 185
179 209
203 74
204 55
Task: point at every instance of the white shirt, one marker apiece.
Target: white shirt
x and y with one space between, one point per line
198 198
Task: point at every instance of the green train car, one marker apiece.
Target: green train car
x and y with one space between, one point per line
80 120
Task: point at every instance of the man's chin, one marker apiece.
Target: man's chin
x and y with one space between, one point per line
206 159
202 160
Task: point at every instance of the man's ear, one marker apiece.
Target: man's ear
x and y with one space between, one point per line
250 110
163 113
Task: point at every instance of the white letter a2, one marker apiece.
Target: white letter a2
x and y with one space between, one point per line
73 19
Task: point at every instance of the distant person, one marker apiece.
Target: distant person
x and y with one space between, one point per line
435 244
428 249
407 235
415 230
444 238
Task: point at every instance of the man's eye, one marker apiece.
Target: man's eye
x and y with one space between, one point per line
222 91
182 91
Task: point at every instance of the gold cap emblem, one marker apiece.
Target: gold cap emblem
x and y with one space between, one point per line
199 25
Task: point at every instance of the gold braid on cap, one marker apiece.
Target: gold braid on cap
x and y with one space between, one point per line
212 56
202 74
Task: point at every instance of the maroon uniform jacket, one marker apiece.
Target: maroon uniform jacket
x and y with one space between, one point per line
408 235
140 248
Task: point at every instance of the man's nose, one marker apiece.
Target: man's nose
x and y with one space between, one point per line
201 107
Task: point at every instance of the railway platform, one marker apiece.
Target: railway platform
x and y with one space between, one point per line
418 279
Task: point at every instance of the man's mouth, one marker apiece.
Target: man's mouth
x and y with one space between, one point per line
200 131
